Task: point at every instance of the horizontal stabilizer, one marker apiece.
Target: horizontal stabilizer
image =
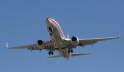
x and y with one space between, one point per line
73 54
54 56
78 54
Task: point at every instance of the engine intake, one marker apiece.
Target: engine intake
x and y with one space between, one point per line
39 42
75 40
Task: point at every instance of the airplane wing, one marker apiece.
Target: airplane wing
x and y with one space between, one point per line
83 42
23 47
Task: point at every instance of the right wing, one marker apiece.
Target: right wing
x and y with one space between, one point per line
83 42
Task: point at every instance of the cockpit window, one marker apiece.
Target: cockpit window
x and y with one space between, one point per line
50 29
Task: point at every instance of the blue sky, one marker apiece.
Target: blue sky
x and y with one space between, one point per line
22 22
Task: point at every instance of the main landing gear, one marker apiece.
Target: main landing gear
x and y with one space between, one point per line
70 51
50 53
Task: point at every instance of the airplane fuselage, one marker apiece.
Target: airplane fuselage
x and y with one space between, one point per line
57 36
55 32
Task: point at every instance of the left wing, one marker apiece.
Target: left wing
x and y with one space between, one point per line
83 42
24 46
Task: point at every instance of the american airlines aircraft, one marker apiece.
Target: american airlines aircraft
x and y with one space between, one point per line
64 45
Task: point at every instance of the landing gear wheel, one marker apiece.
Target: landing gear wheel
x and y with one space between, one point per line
70 51
50 53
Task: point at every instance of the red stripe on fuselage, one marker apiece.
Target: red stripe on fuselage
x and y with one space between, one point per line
52 21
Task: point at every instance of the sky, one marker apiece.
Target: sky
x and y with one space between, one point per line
22 22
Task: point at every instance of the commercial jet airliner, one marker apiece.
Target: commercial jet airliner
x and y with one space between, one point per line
64 45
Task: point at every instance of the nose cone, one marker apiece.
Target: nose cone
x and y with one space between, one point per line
47 20
51 20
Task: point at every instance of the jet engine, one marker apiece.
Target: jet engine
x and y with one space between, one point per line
75 40
39 42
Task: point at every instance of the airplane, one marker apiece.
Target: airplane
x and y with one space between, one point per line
64 45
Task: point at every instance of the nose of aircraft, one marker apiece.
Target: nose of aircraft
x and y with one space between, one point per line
51 20
47 20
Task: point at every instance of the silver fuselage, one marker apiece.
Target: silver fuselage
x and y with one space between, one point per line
59 40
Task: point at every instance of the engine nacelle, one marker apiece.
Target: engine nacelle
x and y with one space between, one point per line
39 42
75 40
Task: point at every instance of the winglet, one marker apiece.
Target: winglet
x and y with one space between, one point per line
116 37
7 45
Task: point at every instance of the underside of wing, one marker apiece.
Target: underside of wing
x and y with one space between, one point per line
83 42
23 47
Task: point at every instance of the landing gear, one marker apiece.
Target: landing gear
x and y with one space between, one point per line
70 51
50 53
40 50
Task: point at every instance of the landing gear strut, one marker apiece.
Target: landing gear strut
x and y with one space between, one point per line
50 53
70 51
